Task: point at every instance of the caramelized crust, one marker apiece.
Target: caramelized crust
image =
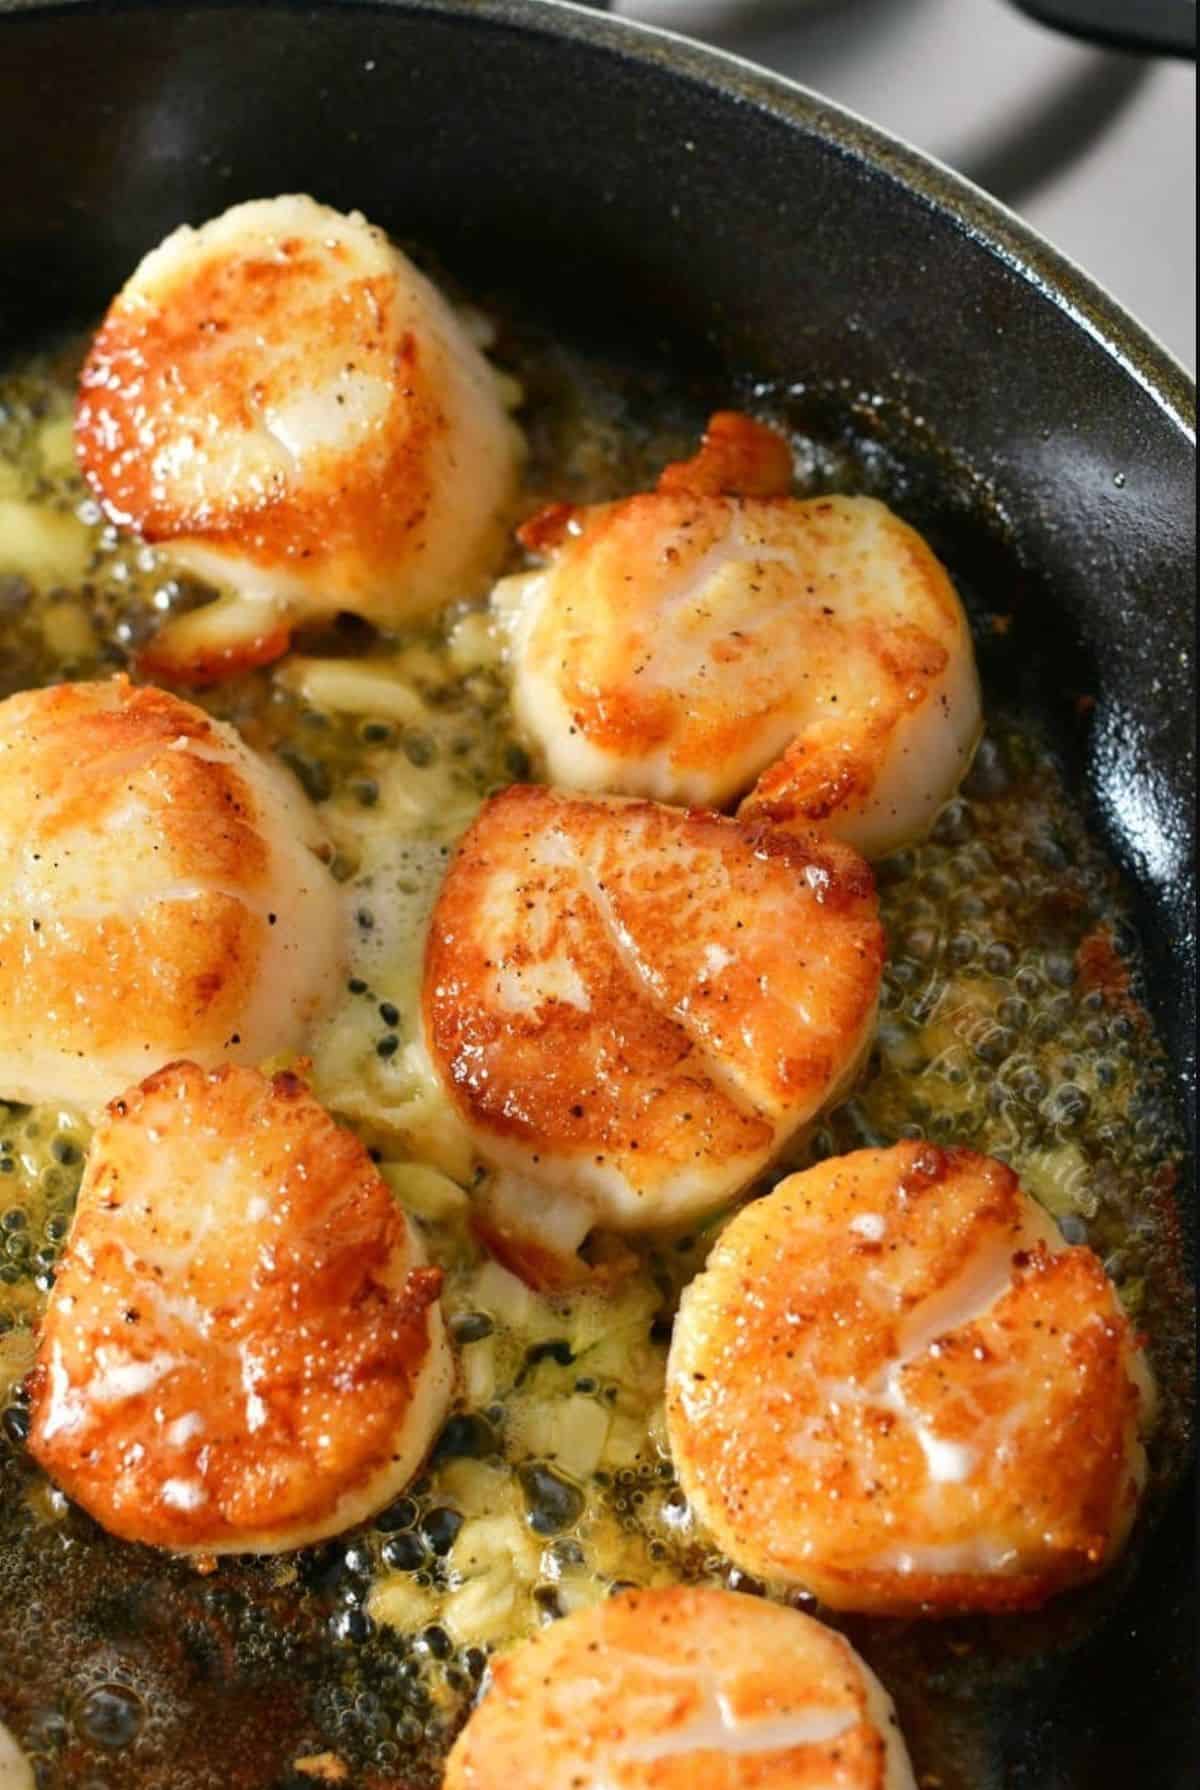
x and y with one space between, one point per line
209 645
286 402
683 1689
636 1006
680 642
737 458
157 893
242 1350
894 1385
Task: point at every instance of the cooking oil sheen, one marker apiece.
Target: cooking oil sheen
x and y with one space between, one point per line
1009 1022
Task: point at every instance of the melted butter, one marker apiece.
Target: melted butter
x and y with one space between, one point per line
556 1484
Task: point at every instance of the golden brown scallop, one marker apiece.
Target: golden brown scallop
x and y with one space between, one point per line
683 1689
284 401
894 1385
159 894
243 1351
634 1007
681 643
16 1770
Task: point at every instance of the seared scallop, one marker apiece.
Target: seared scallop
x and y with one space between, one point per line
681 643
895 1386
243 1351
160 894
634 1007
285 402
683 1689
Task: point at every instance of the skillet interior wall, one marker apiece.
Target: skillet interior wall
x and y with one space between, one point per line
621 197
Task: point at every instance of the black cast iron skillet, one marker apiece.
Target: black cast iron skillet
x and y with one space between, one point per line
650 194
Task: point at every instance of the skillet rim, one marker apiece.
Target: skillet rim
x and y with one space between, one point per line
984 220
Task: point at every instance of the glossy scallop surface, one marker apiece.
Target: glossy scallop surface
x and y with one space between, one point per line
160 894
894 1385
633 1007
684 642
283 400
243 1351
677 1689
